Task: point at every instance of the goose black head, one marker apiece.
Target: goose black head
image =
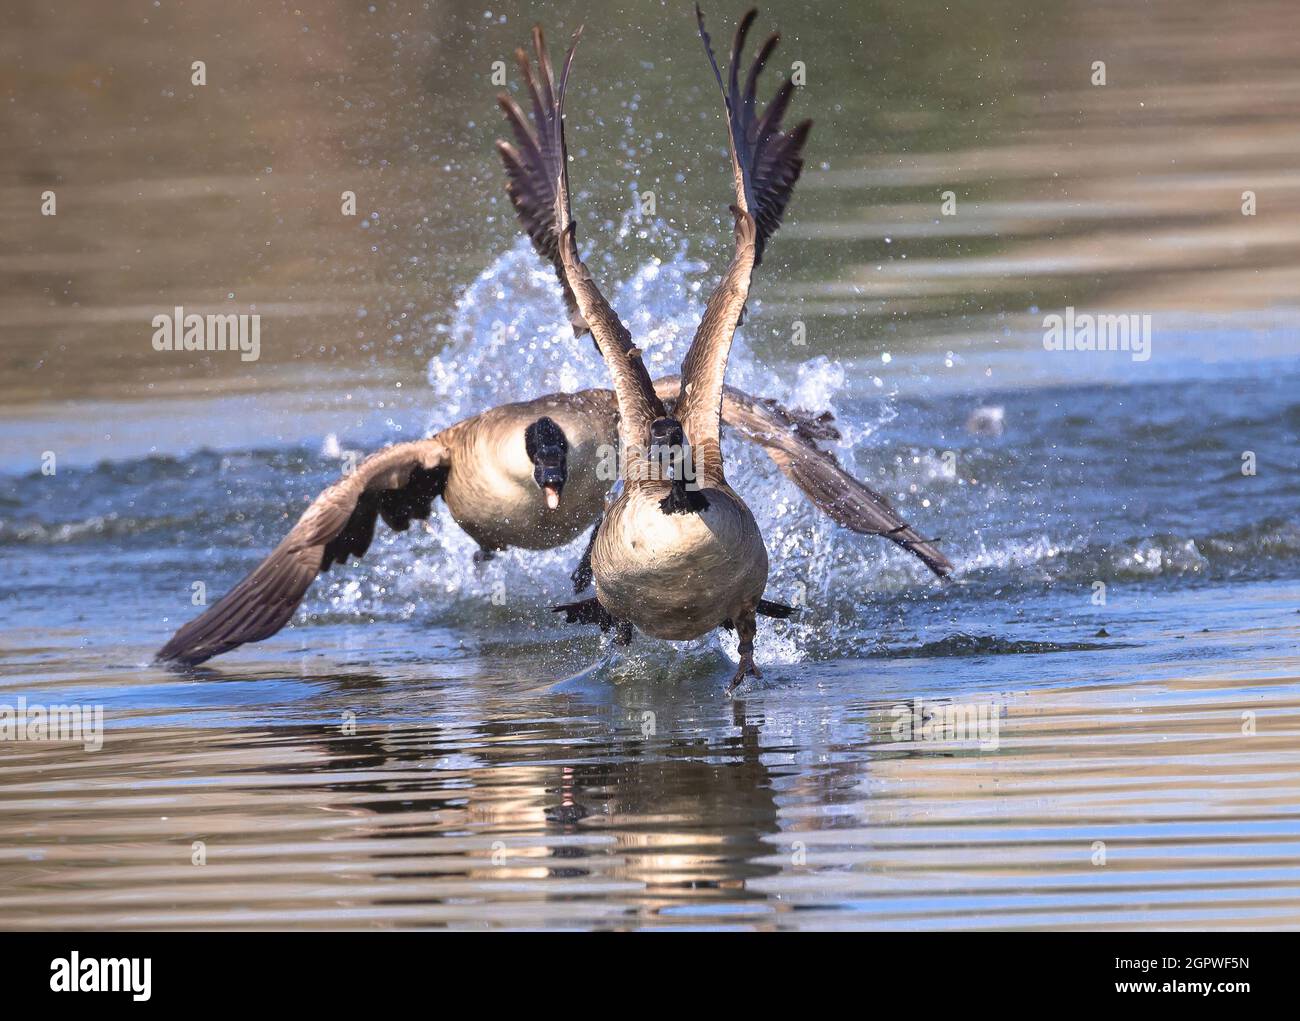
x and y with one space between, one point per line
670 451
548 449
666 437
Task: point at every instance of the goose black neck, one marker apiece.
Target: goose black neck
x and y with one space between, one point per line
681 500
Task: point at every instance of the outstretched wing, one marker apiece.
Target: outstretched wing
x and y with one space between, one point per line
765 161
765 164
531 167
397 484
537 169
790 440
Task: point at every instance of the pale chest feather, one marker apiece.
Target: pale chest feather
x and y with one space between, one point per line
678 576
492 494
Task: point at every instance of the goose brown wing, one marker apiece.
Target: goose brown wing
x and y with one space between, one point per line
398 484
538 183
766 161
790 439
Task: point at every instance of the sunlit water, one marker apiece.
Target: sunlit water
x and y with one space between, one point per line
428 745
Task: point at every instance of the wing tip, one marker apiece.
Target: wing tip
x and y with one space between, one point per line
176 655
742 33
940 565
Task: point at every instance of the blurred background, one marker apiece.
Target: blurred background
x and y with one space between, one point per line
227 196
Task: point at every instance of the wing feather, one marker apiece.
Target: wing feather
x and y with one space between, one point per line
538 183
790 439
400 483
765 163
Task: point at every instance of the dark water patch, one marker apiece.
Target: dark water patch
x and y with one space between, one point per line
961 644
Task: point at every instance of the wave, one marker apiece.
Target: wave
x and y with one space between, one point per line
1261 549
962 644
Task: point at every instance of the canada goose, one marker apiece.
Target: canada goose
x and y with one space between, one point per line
678 553
527 475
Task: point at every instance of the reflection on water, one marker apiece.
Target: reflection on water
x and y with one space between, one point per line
1127 803
404 755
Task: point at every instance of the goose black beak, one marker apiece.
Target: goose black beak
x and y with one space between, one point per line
548 450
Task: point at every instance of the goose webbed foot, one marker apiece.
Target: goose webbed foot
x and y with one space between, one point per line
581 576
767 608
589 611
585 611
746 669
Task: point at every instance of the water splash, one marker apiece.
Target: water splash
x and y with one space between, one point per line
509 340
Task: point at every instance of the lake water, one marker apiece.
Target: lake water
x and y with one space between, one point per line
427 745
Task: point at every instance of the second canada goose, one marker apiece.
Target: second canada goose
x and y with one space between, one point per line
678 552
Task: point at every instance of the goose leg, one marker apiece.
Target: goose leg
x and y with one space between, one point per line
482 555
581 576
746 628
